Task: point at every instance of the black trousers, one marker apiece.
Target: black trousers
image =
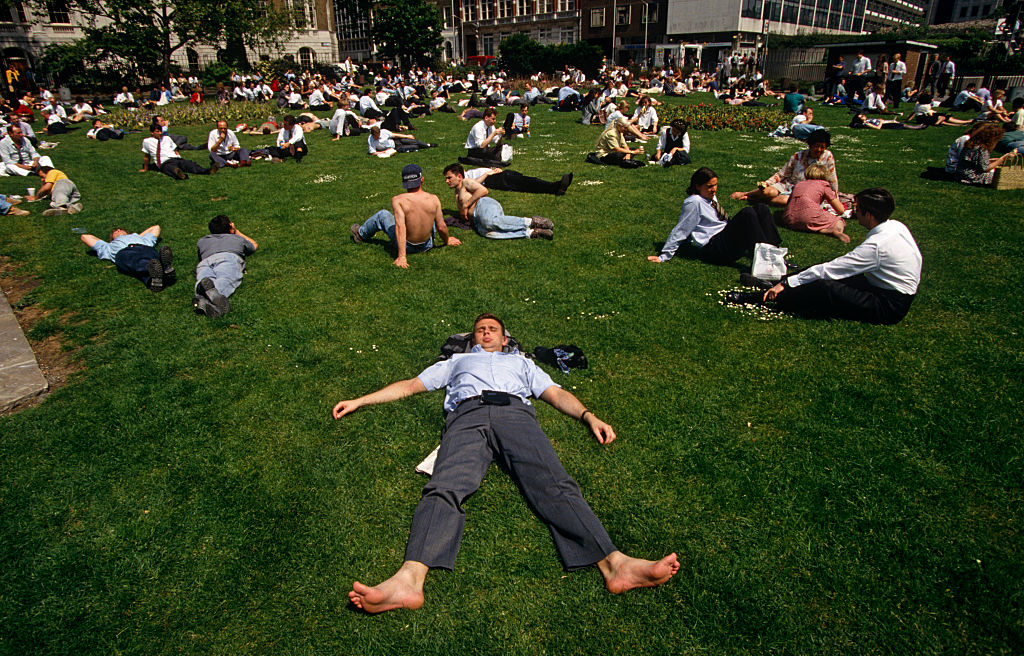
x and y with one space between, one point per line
172 166
619 159
488 153
134 261
372 113
894 90
509 180
851 298
680 158
409 145
750 226
395 119
284 153
474 436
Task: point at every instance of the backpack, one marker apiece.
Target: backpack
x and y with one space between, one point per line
463 342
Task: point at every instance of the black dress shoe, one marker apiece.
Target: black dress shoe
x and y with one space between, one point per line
750 280
744 298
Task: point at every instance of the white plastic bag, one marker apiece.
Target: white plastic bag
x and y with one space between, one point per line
506 153
769 262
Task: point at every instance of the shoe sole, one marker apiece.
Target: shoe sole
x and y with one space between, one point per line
167 262
218 300
355 234
156 276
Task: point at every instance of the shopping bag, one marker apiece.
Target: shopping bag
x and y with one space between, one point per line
769 262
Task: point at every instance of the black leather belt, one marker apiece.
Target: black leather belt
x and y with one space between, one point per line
491 397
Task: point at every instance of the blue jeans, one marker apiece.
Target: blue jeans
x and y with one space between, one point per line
803 130
224 269
491 222
384 221
4 205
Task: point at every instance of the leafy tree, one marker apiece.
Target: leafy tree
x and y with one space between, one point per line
139 37
408 30
521 54
524 56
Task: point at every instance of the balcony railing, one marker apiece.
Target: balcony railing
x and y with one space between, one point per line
528 18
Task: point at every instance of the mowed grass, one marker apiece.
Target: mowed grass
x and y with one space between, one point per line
830 487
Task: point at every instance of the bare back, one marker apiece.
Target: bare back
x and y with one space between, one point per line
420 211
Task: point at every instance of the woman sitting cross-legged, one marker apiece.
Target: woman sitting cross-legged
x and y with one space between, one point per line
776 189
717 238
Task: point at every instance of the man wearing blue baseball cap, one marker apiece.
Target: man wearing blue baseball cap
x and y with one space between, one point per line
411 223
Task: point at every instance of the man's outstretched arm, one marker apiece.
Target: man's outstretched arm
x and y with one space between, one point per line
392 392
568 404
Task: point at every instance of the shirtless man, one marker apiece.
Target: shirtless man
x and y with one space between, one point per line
411 227
486 214
489 418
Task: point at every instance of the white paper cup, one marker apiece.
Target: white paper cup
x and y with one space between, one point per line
31 191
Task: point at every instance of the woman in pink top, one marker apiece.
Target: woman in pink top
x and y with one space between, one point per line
804 210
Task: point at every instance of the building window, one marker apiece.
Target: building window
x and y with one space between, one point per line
15 14
545 6
568 35
650 13
567 5
622 15
986 10
545 35
469 11
306 57
447 13
524 7
302 14
506 8
58 11
488 42
193 60
597 17
974 10
486 9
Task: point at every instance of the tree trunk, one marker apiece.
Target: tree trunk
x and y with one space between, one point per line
235 52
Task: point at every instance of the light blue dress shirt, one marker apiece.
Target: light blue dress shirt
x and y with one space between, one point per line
698 222
466 375
108 251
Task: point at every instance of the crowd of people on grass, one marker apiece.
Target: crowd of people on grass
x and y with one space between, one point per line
489 384
804 191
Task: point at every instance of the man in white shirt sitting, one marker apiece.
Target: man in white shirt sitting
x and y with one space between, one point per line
291 142
160 153
875 282
484 140
225 150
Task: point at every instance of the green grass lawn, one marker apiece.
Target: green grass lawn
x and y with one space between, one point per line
830 487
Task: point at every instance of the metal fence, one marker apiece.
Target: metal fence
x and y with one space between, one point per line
796 64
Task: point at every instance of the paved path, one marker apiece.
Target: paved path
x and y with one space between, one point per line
20 378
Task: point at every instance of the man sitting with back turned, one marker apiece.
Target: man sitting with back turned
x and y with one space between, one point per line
410 228
875 282
490 418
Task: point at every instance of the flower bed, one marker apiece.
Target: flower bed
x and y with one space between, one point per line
206 114
708 116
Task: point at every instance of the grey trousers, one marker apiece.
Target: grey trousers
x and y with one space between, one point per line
64 193
225 269
474 436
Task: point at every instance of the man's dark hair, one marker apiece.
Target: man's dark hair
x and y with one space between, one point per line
971 85
220 225
454 168
490 111
289 119
488 315
700 177
680 124
1018 102
819 136
877 202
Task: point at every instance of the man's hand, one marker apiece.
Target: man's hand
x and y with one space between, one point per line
345 407
602 431
773 292
452 241
654 258
400 261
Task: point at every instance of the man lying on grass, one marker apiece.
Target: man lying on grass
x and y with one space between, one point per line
489 418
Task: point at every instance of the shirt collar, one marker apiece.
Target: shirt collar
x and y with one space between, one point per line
479 349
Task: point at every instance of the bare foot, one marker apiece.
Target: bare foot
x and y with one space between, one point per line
622 572
738 195
843 237
403 590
